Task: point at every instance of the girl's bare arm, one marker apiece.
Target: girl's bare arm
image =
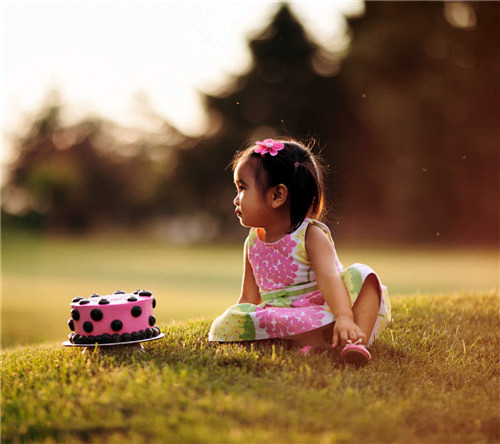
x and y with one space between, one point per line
249 289
322 256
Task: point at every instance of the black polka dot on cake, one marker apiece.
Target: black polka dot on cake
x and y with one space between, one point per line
127 337
136 311
75 314
84 301
149 333
154 303
96 314
152 320
88 327
119 292
116 338
145 293
106 338
116 325
137 291
71 325
103 301
95 295
78 298
132 299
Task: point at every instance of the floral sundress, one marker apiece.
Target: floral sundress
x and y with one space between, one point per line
291 301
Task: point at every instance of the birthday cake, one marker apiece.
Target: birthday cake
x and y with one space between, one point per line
120 317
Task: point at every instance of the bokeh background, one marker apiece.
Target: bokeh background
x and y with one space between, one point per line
120 118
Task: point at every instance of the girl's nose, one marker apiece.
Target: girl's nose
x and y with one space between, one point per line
236 200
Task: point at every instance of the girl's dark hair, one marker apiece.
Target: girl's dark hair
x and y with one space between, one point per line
296 167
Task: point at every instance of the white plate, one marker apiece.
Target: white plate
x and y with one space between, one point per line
115 344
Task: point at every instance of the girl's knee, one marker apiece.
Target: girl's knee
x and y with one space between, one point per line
372 281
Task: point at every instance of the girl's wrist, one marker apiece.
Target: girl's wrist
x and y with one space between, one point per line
348 316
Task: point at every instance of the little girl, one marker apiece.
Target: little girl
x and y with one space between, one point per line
294 286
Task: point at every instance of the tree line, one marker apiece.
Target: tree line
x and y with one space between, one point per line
406 119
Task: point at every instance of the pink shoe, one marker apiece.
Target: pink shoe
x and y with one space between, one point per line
355 354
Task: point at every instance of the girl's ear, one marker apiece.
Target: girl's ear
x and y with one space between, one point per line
279 195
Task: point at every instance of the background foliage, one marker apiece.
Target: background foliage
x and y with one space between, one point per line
406 117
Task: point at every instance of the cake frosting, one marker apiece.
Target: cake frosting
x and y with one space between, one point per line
115 318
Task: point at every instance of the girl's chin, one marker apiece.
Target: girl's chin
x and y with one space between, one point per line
243 224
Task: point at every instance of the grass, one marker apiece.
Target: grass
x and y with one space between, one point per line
434 379
40 276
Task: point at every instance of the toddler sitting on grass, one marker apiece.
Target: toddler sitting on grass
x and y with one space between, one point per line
294 286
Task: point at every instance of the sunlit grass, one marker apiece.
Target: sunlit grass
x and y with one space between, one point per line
41 275
434 379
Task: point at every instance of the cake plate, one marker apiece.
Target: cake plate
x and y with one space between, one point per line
135 345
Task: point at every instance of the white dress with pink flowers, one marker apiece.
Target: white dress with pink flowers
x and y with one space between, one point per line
291 301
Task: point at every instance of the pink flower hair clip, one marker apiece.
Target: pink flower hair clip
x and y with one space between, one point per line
269 146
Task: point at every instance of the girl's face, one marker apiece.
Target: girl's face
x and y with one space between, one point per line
252 206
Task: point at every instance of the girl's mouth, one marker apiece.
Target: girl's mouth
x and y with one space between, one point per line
238 213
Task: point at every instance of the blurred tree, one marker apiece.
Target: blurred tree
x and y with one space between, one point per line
281 94
420 124
90 175
409 125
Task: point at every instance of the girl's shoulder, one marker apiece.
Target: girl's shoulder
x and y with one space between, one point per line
305 226
318 228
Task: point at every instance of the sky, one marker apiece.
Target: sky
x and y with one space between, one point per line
110 58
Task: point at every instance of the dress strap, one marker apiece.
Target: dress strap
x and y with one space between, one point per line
251 238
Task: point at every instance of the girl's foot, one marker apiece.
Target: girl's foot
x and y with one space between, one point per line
355 354
308 349
314 349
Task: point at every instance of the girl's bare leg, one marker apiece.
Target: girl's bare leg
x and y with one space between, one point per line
320 338
365 309
365 312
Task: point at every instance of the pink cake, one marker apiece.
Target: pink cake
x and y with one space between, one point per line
120 317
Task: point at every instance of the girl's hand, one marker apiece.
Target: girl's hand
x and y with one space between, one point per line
346 329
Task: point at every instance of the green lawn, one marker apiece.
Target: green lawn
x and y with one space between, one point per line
41 275
434 379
